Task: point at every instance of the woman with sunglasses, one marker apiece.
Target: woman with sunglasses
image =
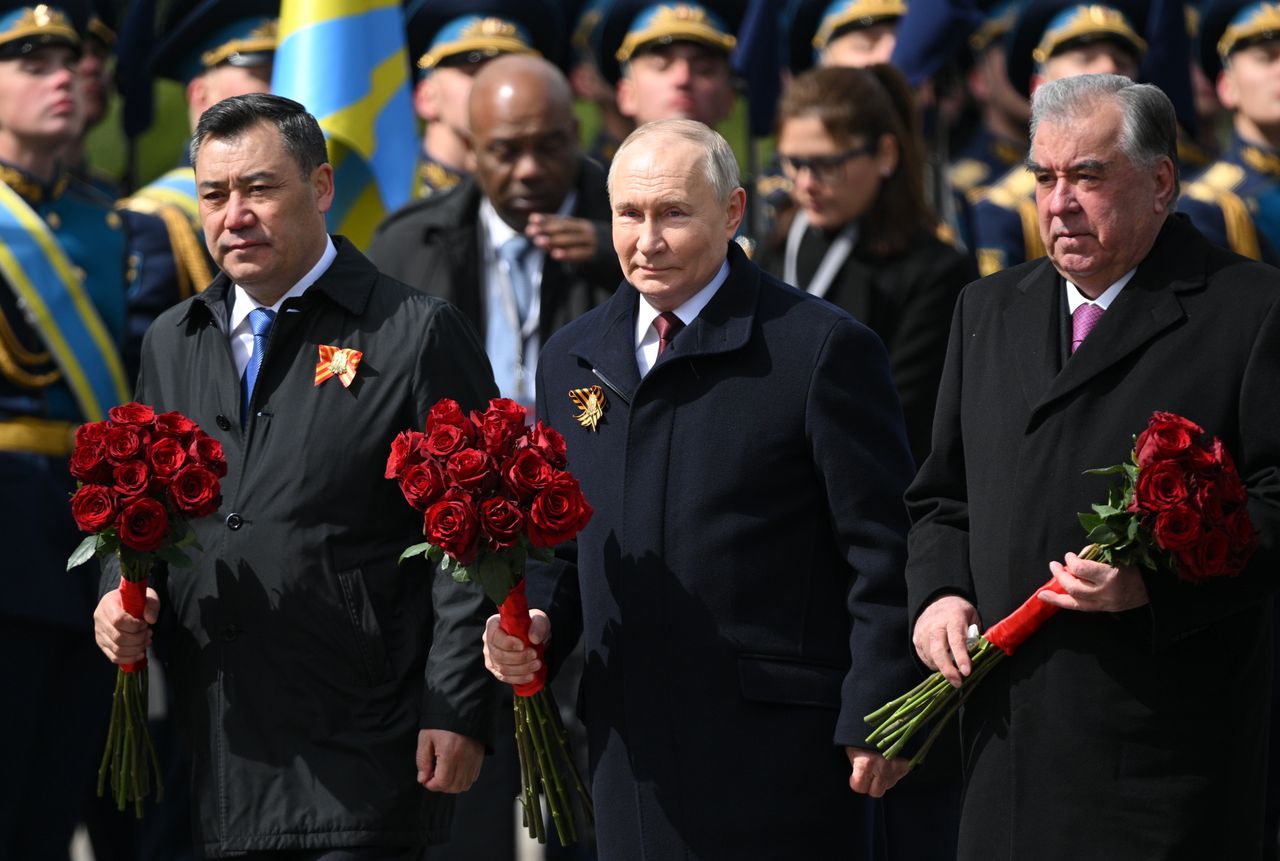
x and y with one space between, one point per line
860 234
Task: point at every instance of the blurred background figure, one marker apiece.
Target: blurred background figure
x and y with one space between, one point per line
215 50
449 43
589 86
95 78
670 60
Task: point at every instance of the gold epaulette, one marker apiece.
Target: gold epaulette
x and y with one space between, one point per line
967 174
1242 235
947 234
1031 239
15 360
188 253
1017 184
769 183
1222 176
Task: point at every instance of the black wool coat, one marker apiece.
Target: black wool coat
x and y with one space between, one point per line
434 244
303 658
740 585
1139 734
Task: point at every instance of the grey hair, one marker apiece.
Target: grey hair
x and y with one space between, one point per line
1149 128
719 164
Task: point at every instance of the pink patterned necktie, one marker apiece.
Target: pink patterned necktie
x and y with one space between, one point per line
668 326
1083 319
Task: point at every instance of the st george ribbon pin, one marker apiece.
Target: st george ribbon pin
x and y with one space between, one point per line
591 403
337 362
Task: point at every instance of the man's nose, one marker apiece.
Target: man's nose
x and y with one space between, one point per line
239 214
682 72
1062 197
650 240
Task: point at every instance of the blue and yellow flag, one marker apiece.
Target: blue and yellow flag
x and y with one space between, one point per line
345 60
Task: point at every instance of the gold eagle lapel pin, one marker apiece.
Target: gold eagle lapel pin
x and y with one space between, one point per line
592 404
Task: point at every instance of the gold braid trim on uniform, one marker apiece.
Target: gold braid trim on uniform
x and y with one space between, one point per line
1031 229
192 266
1241 235
13 356
33 435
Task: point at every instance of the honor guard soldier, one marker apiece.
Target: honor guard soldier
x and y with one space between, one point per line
587 82
1051 39
998 142
1240 54
219 49
69 299
94 76
450 41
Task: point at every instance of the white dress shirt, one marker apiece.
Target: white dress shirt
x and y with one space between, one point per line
1075 298
647 336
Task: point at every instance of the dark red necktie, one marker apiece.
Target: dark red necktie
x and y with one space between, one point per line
668 326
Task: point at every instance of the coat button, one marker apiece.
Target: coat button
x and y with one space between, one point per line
223 422
234 521
230 632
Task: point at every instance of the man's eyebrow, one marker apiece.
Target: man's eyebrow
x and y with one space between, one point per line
243 179
1090 164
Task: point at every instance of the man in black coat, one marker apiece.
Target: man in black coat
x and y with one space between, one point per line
311 671
524 249
1133 724
739 587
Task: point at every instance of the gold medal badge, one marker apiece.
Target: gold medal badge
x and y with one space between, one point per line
592 404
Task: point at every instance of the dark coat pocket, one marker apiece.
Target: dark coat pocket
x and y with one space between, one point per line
370 648
788 681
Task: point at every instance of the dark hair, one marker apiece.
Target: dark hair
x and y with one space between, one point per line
233 117
870 103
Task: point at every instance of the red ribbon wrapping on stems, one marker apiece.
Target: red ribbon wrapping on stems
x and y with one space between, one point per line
513 619
133 597
1011 631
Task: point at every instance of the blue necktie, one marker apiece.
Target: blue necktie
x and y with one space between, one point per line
512 252
260 320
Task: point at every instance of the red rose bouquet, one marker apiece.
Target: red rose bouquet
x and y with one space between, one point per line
141 478
493 493
1180 507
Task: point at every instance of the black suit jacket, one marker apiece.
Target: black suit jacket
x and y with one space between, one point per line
434 244
1137 734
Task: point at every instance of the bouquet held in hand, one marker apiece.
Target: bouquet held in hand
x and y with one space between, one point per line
1179 508
141 478
493 493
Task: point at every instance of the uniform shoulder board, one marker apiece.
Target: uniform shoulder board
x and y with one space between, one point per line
967 174
1222 176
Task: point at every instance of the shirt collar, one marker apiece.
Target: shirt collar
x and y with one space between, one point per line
498 231
242 303
688 312
1075 298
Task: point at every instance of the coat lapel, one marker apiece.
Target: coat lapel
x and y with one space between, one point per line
612 353
1031 325
1148 306
725 324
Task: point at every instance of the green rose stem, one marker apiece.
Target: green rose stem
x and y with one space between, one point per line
530 800
935 700
130 757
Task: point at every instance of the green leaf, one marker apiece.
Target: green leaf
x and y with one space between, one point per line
496 577
415 550
84 551
1106 470
542 554
448 563
1103 536
1089 521
460 575
173 555
435 552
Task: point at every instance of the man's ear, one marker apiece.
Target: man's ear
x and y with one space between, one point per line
424 100
626 97
322 186
734 212
1166 173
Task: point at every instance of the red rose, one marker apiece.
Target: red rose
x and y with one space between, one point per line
422 484
1160 485
1177 528
89 464
166 456
404 453
1208 558
527 472
451 524
548 442
91 433
176 425
508 410
93 507
559 512
444 439
472 470
122 443
132 414
445 412
196 491
1167 437
502 522
497 431
131 479
143 524
1208 498
207 451
1244 538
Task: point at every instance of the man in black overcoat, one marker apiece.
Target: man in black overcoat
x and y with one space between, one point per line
739 587
1134 723
314 676
532 190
